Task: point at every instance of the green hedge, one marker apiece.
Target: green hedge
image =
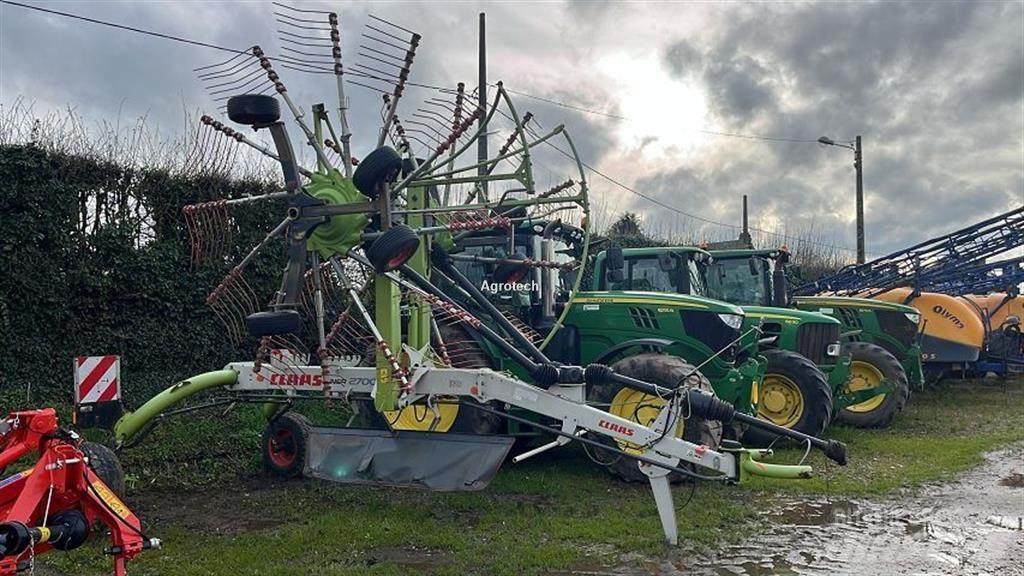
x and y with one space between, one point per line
94 260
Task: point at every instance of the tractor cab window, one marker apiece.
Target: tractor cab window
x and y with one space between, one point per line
743 281
654 274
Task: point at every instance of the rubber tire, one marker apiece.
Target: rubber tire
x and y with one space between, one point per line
663 370
382 164
392 243
106 465
300 428
814 386
273 323
508 272
252 109
469 420
891 370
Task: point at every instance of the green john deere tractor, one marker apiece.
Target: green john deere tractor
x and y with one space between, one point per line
670 337
804 367
880 337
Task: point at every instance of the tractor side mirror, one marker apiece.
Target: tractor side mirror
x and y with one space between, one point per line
614 262
755 266
666 262
613 259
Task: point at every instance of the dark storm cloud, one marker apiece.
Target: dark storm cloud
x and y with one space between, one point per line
936 89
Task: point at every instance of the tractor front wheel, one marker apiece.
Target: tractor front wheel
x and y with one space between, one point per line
636 406
284 444
794 394
870 366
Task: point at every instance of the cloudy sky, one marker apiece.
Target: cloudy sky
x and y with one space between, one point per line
936 89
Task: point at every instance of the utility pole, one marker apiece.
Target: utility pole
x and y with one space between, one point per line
745 234
481 142
858 164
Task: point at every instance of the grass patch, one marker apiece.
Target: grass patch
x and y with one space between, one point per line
940 433
555 512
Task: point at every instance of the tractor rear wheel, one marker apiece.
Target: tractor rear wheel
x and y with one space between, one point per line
871 365
284 444
106 465
663 370
794 394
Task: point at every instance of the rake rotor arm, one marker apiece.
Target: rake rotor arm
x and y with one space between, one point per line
443 262
705 405
422 284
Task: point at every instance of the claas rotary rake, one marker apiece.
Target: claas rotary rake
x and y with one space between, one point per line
359 315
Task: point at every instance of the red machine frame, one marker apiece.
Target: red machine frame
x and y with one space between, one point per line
61 480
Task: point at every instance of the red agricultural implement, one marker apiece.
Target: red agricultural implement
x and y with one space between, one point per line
58 502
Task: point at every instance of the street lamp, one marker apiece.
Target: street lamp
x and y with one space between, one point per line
858 164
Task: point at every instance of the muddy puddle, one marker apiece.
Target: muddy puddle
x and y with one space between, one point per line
972 526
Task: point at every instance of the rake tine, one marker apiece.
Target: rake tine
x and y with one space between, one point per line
306 44
313 62
301 52
380 52
374 88
381 60
213 74
296 18
384 76
296 112
385 33
229 60
392 24
288 22
294 9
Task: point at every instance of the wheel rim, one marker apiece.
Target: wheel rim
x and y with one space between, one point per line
420 418
281 448
638 407
403 255
781 402
865 376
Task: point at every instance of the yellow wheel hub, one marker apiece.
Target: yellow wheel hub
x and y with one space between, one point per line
641 408
423 418
864 376
781 401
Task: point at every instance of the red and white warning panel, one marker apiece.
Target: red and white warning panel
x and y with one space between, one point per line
97 379
97 391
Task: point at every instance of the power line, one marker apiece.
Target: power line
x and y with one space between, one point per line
535 97
678 210
123 27
620 117
172 37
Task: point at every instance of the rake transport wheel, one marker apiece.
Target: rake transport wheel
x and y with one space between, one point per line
871 365
284 443
250 109
794 394
393 248
663 370
381 165
450 417
105 464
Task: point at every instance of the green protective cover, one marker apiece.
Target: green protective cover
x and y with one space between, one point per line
342 232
